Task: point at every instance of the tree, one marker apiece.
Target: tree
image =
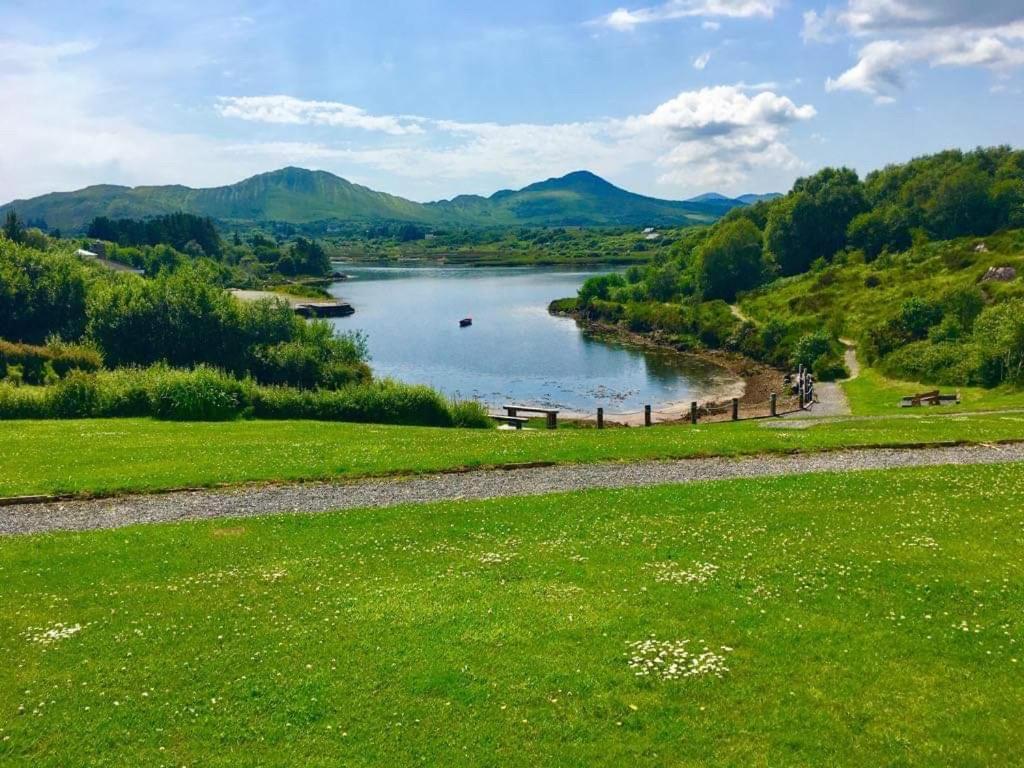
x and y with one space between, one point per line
883 229
962 204
999 333
731 261
599 287
14 230
811 222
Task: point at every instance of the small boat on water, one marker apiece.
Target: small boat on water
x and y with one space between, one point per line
465 322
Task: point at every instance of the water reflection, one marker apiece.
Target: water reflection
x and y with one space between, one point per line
514 351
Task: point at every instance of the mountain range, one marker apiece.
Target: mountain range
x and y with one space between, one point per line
300 196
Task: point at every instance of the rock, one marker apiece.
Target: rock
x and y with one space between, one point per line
999 274
981 248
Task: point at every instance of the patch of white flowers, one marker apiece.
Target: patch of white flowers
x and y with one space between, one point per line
674 660
921 542
53 634
671 573
495 558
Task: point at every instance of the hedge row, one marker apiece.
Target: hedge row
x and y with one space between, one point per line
206 394
40 365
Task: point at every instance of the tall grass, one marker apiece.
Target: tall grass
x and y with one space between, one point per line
207 394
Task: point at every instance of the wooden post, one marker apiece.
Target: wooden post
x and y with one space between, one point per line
552 421
600 418
735 409
775 404
647 415
693 412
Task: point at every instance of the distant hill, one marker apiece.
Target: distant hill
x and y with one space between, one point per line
751 199
299 196
580 199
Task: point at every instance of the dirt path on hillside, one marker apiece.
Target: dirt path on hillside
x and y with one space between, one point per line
485 484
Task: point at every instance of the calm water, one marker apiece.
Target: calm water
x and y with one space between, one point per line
514 351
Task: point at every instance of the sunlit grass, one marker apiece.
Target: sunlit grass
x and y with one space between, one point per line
869 618
111 455
873 394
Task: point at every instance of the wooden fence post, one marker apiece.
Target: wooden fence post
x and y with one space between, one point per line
775 404
647 415
693 412
735 409
600 418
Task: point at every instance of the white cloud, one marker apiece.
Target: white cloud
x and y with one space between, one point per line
30 56
711 26
702 61
624 20
905 33
289 110
77 135
713 136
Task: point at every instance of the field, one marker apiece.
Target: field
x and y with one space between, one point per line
873 394
116 455
861 618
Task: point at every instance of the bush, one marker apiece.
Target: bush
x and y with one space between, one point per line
23 402
76 397
829 367
812 347
54 359
469 414
381 402
206 394
945 362
203 394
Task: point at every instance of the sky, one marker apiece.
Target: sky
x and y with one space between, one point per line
428 100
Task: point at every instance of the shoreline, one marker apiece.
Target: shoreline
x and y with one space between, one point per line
757 381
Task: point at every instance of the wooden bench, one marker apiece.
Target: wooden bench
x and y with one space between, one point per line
928 398
550 413
515 421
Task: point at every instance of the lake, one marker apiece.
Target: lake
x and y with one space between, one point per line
515 352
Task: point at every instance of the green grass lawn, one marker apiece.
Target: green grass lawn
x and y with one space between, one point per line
848 619
873 394
111 455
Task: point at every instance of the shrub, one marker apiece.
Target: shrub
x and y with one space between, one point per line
810 348
76 397
469 414
938 363
23 402
829 367
204 394
55 359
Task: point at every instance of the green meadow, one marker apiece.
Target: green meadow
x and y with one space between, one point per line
102 456
859 618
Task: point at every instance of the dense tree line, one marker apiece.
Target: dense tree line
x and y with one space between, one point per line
165 242
182 317
182 231
829 215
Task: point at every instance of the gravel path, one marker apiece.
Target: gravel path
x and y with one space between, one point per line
321 497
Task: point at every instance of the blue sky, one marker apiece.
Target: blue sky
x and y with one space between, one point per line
432 99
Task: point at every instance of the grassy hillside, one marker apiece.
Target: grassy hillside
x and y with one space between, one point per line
298 196
289 195
851 296
897 261
522 632
581 199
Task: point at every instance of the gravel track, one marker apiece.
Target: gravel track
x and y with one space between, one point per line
250 501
